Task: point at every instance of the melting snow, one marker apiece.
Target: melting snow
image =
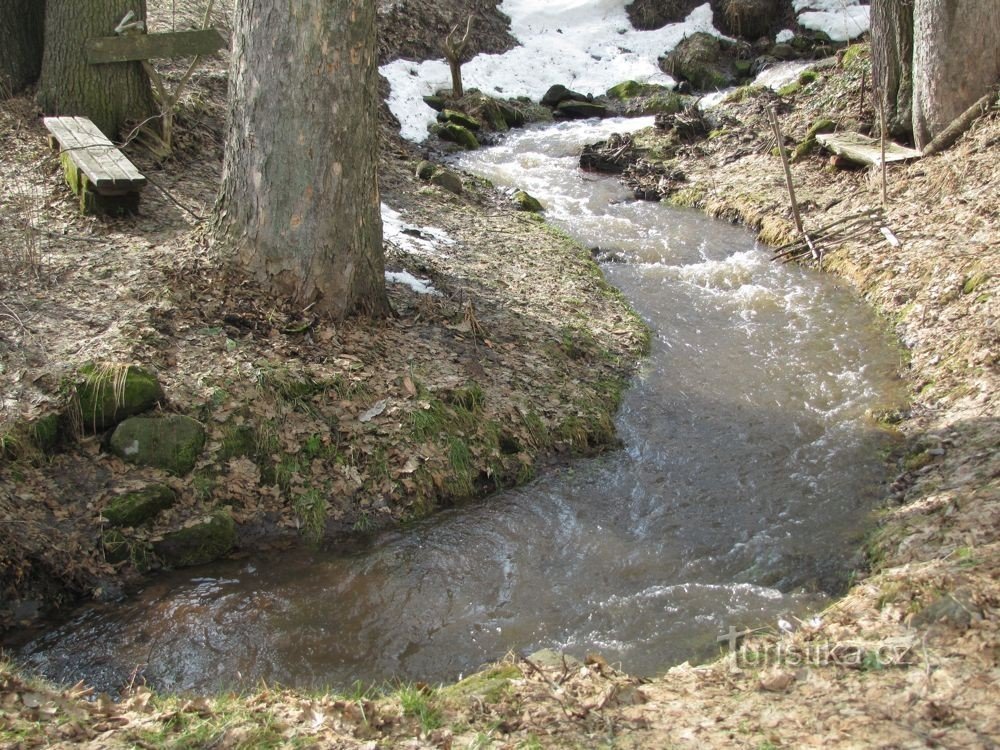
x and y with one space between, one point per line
588 45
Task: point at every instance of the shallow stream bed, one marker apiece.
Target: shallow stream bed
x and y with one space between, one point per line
743 490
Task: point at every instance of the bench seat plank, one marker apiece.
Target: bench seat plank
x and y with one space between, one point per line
107 168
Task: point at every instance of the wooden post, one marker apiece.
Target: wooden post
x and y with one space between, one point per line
788 181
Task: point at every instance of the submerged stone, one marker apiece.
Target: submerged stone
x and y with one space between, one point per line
136 508
110 394
204 541
172 443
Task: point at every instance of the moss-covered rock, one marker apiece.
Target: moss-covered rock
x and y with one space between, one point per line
108 394
172 442
137 508
459 118
698 59
450 181
632 89
515 117
809 143
455 133
201 542
435 102
527 202
425 169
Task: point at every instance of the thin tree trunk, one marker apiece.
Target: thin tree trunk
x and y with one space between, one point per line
956 60
299 201
892 62
21 26
110 94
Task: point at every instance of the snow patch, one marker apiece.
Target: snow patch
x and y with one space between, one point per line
841 20
420 286
587 45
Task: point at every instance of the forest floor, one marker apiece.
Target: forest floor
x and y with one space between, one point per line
908 658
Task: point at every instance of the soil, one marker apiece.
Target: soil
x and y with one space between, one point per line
907 658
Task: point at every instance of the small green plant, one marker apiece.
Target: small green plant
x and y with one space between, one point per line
460 458
311 509
417 703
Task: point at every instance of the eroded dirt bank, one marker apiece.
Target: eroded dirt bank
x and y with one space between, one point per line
907 659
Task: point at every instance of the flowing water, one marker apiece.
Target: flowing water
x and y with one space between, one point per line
745 482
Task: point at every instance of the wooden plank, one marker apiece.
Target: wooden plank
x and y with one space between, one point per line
864 150
107 168
100 159
117 49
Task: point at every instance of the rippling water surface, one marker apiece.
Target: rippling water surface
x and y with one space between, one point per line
744 485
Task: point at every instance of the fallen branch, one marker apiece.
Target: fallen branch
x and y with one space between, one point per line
947 137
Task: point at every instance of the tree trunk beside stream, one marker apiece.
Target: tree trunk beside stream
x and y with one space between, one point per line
299 202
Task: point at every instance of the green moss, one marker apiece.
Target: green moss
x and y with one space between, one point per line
459 118
631 89
686 197
743 93
111 393
790 89
172 443
207 540
526 202
136 508
973 282
918 460
808 76
457 134
490 685
821 125
856 53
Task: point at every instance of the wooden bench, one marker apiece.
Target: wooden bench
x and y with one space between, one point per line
101 175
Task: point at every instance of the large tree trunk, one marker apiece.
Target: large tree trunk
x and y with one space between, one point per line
956 60
299 199
892 62
21 25
110 94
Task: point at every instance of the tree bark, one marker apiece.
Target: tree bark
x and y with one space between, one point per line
956 60
21 26
110 94
892 62
299 201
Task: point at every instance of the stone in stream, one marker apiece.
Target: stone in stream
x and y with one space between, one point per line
526 202
458 118
576 110
171 443
558 94
455 133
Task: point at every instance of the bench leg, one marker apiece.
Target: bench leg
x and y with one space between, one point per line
92 202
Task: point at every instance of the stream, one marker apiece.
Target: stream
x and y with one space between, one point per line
744 487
